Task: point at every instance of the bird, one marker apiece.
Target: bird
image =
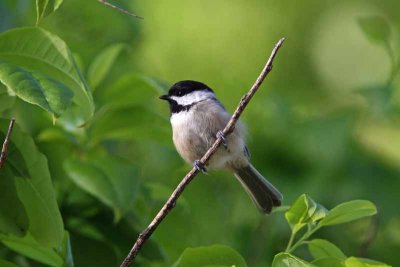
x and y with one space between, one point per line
197 120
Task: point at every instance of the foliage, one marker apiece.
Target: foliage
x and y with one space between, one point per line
303 212
46 76
91 159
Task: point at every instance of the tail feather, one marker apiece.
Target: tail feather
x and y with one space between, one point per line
264 195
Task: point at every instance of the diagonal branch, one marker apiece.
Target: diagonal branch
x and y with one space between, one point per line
3 154
170 204
120 9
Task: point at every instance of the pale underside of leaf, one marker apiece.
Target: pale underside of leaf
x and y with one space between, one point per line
36 88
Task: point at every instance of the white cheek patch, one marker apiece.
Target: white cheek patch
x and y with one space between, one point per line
193 97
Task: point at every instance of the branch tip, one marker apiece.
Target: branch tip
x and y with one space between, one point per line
106 3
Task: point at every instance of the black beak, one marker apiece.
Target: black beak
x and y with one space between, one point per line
165 97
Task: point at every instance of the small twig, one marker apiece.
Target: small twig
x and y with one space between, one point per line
3 154
193 172
119 9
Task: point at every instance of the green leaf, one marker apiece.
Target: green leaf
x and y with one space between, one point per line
131 123
215 255
329 262
132 90
4 263
34 188
37 51
29 247
360 262
53 134
36 88
102 64
288 260
45 7
320 248
6 100
349 211
375 28
112 180
303 211
133 98
13 218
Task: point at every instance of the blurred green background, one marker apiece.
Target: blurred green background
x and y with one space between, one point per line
325 122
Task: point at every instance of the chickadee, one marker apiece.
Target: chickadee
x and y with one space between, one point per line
197 118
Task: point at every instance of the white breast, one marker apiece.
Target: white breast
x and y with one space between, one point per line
181 120
193 134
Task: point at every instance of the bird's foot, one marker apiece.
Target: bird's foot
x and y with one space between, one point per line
221 135
199 166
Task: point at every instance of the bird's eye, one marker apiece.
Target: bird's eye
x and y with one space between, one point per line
180 93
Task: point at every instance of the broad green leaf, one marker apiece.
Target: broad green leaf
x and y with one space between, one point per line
349 211
303 211
215 255
37 51
131 123
6 100
36 88
54 134
360 262
288 260
131 110
329 262
79 61
375 28
34 188
112 180
132 90
29 247
320 248
102 64
45 7
13 218
4 263
136 98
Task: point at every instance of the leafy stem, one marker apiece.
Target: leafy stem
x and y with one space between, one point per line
291 240
299 242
